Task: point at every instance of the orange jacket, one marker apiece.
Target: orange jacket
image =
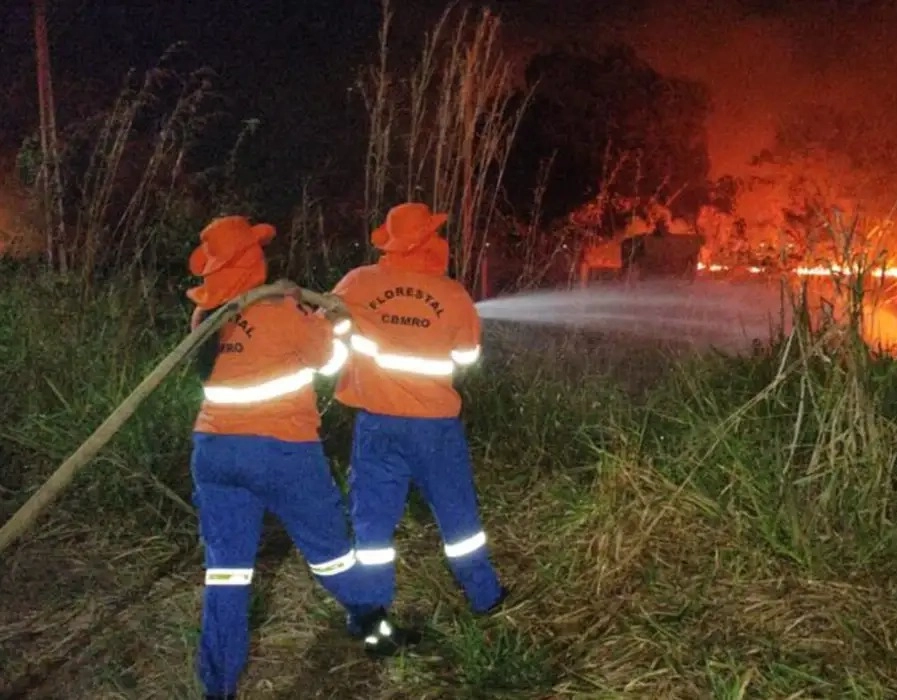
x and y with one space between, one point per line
261 383
409 332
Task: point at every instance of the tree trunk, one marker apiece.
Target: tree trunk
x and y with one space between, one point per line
50 178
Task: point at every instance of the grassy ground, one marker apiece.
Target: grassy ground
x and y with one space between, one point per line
671 528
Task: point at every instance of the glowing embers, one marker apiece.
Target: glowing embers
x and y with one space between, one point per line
802 271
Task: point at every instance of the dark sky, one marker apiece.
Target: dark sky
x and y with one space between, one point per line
275 55
272 56
291 62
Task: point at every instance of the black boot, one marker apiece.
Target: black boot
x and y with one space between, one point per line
381 636
497 605
221 697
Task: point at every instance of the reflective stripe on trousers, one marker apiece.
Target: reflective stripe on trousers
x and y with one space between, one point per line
453 550
465 547
376 557
229 577
334 566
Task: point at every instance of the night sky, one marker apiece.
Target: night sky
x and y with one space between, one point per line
291 64
288 63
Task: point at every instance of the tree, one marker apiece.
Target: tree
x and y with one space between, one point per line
589 113
819 160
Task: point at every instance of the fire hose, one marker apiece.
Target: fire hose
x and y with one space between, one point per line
25 517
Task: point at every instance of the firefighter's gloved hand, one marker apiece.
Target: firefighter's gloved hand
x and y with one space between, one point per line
334 305
290 289
335 311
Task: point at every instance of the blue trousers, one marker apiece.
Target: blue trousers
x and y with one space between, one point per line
236 479
388 454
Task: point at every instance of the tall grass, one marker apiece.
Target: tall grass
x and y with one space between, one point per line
132 182
726 534
443 133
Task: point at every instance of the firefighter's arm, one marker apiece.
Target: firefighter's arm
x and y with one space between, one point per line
312 336
341 320
306 334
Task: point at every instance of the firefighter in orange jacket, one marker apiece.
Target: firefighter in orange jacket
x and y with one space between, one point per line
256 448
412 327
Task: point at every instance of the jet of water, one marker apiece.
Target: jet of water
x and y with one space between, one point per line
707 312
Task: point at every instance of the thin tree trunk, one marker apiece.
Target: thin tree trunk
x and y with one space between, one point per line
50 176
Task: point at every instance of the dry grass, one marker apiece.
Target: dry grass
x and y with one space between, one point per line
442 131
630 587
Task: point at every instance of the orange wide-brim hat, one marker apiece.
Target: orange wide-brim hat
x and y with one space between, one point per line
230 260
407 227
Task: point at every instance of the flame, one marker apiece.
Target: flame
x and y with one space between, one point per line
816 271
879 316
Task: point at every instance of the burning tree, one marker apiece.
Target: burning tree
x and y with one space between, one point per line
819 160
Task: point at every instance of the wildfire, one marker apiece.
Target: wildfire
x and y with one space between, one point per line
817 271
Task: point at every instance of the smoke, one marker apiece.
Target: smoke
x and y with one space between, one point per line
762 67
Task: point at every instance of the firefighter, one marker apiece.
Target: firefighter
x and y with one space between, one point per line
256 448
412 328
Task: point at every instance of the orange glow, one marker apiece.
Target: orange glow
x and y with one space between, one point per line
817 271
879 326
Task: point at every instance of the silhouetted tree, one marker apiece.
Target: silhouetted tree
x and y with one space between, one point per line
587 111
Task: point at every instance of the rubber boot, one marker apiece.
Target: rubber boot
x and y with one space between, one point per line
497 605
499 602
381 636
221 697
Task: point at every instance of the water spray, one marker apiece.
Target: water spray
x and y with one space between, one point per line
710 312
